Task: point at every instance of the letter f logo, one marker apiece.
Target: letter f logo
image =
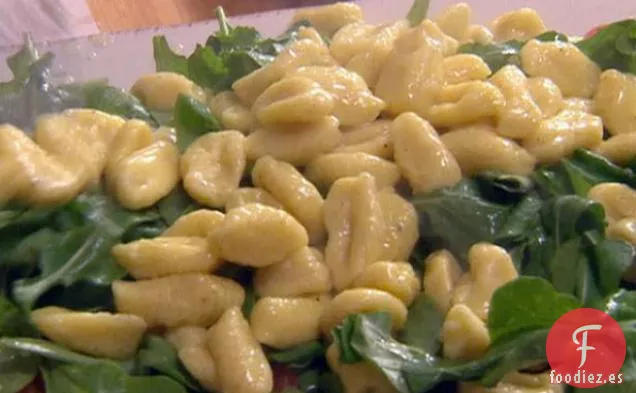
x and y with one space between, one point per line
583 345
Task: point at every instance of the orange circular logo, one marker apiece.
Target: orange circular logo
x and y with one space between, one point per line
586 349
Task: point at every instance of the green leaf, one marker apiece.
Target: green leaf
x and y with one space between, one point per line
207 69
157 384
101 377
298 356
13 322
497 55
82 254
621 305
418 11
342 335
20 66
17 369
424 325
520 306
158 355
175 205
503 188
613 46
458 217
166 59
116 101
48 350
192 119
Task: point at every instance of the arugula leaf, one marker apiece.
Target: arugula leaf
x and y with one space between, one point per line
456 218
613 46
101 96
227 56
158 355
104 377
424 325
192 119
580 172
13 322
497 55
299 356
166 59
20 64
17 369
175 205
520 306
418 11
47 350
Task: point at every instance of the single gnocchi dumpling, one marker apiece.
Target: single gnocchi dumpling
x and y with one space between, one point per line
246 195
283 323
464 335
326 169
478 34
401 225
415 57
231 112
355 228
258 235
360 301
421 156
330 18
615 102
564 63
241 363
479 148
179 300
165 256
79 139
100 334
522 24
142 168
192 350
490 268
465 103
199 223
31 174
618 200
302 274
212 167
547 95
620 149
298 195
160 90
363 48
454 20
293 99
354 103
372 138
296 144
559 136
396 278
462 68
441 274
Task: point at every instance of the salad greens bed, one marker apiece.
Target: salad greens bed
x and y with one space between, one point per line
61 255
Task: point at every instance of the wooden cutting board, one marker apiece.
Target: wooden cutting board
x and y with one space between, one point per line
118 15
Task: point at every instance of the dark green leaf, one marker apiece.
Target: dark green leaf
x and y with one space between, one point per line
613 46
342 336
503 188
115 101
83 254
13 322
192 119
456 218
147 230
552 36
20 66
48 350
611 259
17 369
166 59
175 205
157 384
101 378
496 56
520 306
424 325
159 355
250 300
300 355
417 12
207 69
620 305
522 220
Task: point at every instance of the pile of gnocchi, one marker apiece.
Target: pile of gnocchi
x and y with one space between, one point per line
308 182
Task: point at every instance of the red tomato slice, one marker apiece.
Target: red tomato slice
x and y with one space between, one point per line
284 378
594 31
37 386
